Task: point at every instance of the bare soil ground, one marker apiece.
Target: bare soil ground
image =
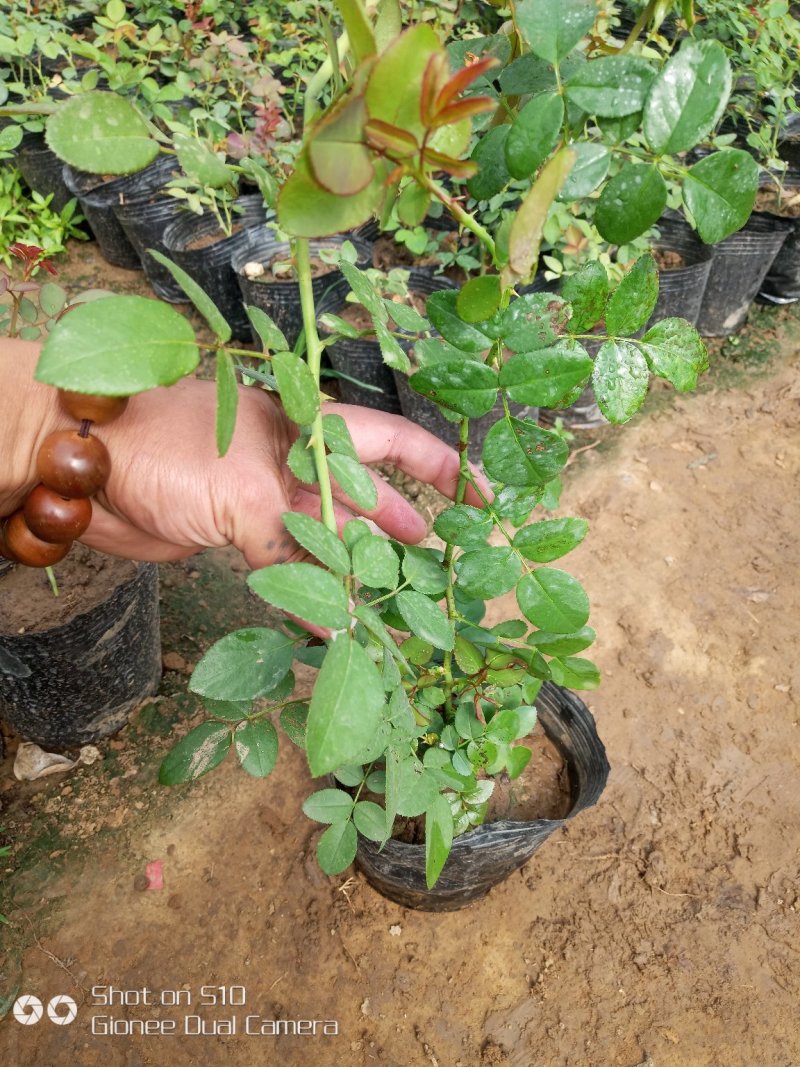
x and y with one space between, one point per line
659 930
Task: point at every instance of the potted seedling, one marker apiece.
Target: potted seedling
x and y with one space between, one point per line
424 701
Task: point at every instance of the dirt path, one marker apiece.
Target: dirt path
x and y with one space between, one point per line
661 929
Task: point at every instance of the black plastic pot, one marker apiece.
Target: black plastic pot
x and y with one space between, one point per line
782 283
43 171
361 358
281 299
680 290
144 223
740 264
210 265
486 856
77 683
98 200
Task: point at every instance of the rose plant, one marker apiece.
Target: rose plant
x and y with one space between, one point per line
418 704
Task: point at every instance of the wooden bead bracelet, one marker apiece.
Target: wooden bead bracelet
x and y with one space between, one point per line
72 466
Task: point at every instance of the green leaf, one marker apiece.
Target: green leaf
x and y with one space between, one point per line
200 163
674 350
301 461
51 296
354 480
358 28
425 619
298 389
272 338
442 310
575 673
518 452
317 539
438 838
590 167
229 710
547 378
611 86
336 848
688 97
152 344
534 134
489 155
525 235
465 386
553 29
243 665
518 760
463 525
393 354
423 570
365 292
620 380
370 820
304 590
512 724
337 436
256 746
488 572
328 805
720 192
548 540
305 209
406 317
353 531
293 722
227 401
375 562
203 748
468 656
479 298
630 203
533 321
587 292
101 133
633 301
345 709
552 644
553 600
413 204
198 296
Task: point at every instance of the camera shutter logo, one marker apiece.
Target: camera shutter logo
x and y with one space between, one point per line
62 1010
28 1010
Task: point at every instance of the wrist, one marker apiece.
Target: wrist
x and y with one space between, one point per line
29 411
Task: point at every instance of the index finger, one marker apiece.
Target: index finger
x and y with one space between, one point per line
383 438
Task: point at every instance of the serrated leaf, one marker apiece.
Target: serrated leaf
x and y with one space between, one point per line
425 619
463 525
688 97
229 710
611 86
243 665
227 401
518 452
533 321
393 354
202 749
552 644
298 389
305 590
406 317
468 656
588 170
575 673
375 562
550 539
293 720
317 539
586 291
152 345
337 436
345 708
634 299
630 203
512 724
492 175
488 572
675 350
546 378
328 805
354 480
365 292
370 820
465 386
442 310
200 162
534 134
336 848
301 461
620 380
479 298
553 600
271 336
256 747
553 30
438 838
423 570
51 296
101 133
720 192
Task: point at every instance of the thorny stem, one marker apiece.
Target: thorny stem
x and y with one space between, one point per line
314 356
464 477
464 217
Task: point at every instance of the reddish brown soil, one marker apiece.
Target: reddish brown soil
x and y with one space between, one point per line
667 259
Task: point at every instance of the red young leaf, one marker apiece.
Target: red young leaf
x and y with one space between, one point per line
463 109
433 80
459 168
389 138
462 79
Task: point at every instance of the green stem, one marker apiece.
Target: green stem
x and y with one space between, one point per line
464 217
464 478
51 577
314 357
641 22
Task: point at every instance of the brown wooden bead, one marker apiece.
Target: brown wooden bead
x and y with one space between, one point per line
72 465
99 409
54 518
27 548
